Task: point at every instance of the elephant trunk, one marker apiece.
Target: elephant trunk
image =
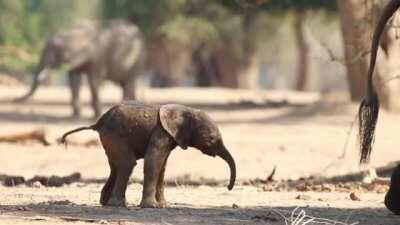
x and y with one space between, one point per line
225 155
37 79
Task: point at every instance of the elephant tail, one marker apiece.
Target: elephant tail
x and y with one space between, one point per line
225 155
369 108
64 137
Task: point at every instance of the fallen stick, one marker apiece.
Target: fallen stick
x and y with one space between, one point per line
87 144
271 176
35 135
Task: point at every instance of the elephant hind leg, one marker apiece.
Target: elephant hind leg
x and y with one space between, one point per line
109 186
75 80
122 161
124 169
94 84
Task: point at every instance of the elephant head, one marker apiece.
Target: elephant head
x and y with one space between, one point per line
191 127
69 49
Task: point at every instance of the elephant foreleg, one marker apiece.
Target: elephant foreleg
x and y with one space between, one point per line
75 85
94 84
154 160
109 186
160 187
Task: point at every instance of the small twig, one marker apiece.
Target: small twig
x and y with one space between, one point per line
87 144
350 130
271 175
77 219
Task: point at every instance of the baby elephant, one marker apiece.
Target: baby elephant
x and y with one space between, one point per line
133 130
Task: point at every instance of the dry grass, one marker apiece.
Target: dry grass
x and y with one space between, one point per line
299 217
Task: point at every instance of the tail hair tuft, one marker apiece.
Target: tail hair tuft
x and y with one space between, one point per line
367 119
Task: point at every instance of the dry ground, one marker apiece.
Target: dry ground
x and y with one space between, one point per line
302 138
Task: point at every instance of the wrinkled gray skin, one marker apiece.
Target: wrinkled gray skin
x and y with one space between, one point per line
115 53
131 131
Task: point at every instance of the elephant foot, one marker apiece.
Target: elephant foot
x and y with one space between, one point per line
149 203
116 202
391 203
162 203
75 116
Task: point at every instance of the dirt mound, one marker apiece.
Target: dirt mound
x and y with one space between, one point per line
48 181
315 185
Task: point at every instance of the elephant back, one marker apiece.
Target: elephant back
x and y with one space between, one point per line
123 49
133 121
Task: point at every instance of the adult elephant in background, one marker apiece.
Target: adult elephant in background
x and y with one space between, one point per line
115 53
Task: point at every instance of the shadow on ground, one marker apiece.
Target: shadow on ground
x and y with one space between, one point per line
295 113
187 214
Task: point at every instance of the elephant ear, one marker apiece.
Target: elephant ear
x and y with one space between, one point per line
177 121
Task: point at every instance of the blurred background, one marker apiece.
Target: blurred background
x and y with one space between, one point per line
278 44
275 73
270 44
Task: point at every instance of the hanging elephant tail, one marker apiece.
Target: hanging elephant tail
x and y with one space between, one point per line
367 119
369 108
225 155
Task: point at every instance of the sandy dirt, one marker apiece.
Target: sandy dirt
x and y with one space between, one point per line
298 134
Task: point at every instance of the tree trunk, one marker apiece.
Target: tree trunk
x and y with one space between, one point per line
303 52
249 66
359 18
221 66
205 70
356 36
227 69
157 60
168 66
248 76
